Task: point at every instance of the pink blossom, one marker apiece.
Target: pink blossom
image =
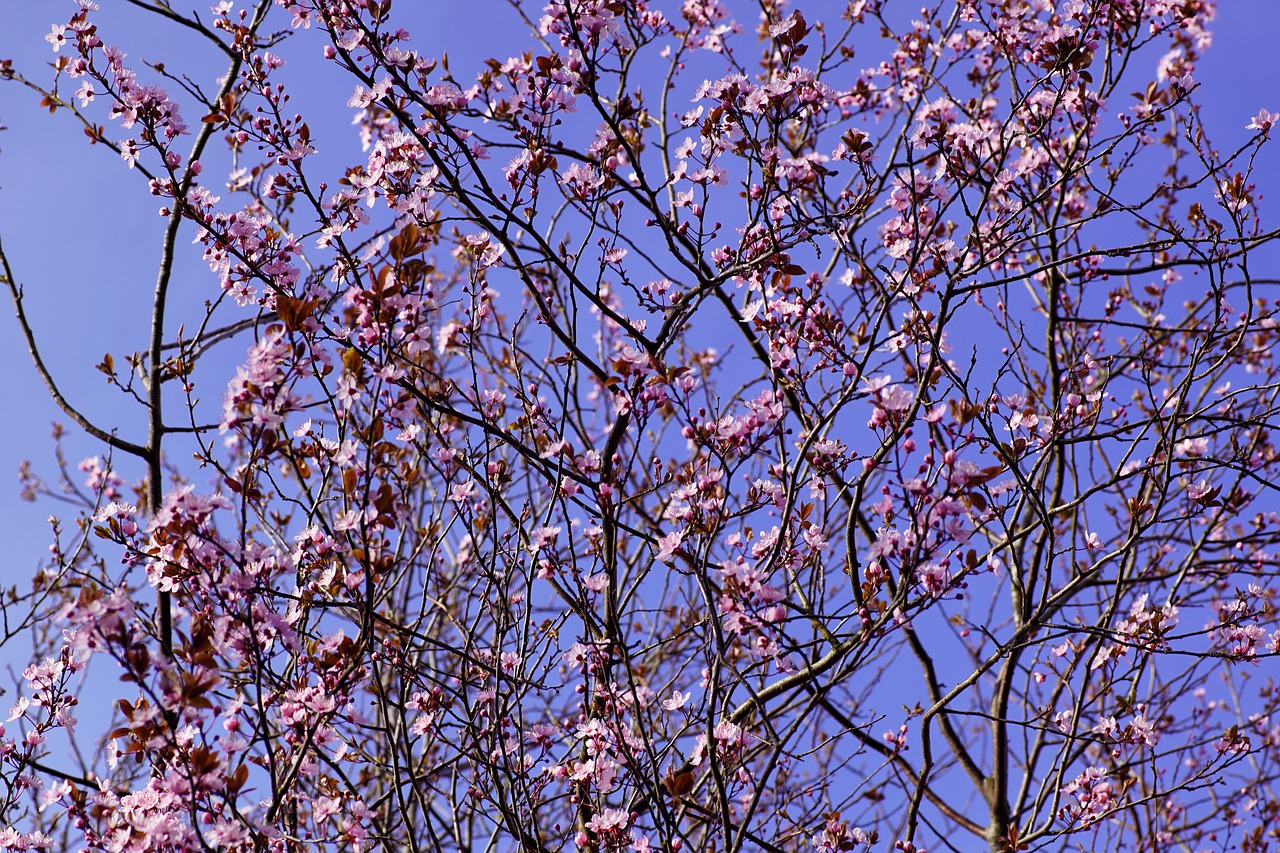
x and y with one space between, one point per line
1199 491
56 37
934 578
462 492
609 820
676 702
541 537
1263 121
668 545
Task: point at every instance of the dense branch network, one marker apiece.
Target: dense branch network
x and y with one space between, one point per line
705 427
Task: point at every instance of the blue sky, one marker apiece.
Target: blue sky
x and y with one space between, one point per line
82 232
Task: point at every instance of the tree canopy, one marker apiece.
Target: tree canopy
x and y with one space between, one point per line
709 426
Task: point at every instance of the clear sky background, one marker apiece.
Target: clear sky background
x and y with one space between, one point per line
82 232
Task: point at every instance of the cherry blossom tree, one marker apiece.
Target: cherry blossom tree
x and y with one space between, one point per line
710 426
